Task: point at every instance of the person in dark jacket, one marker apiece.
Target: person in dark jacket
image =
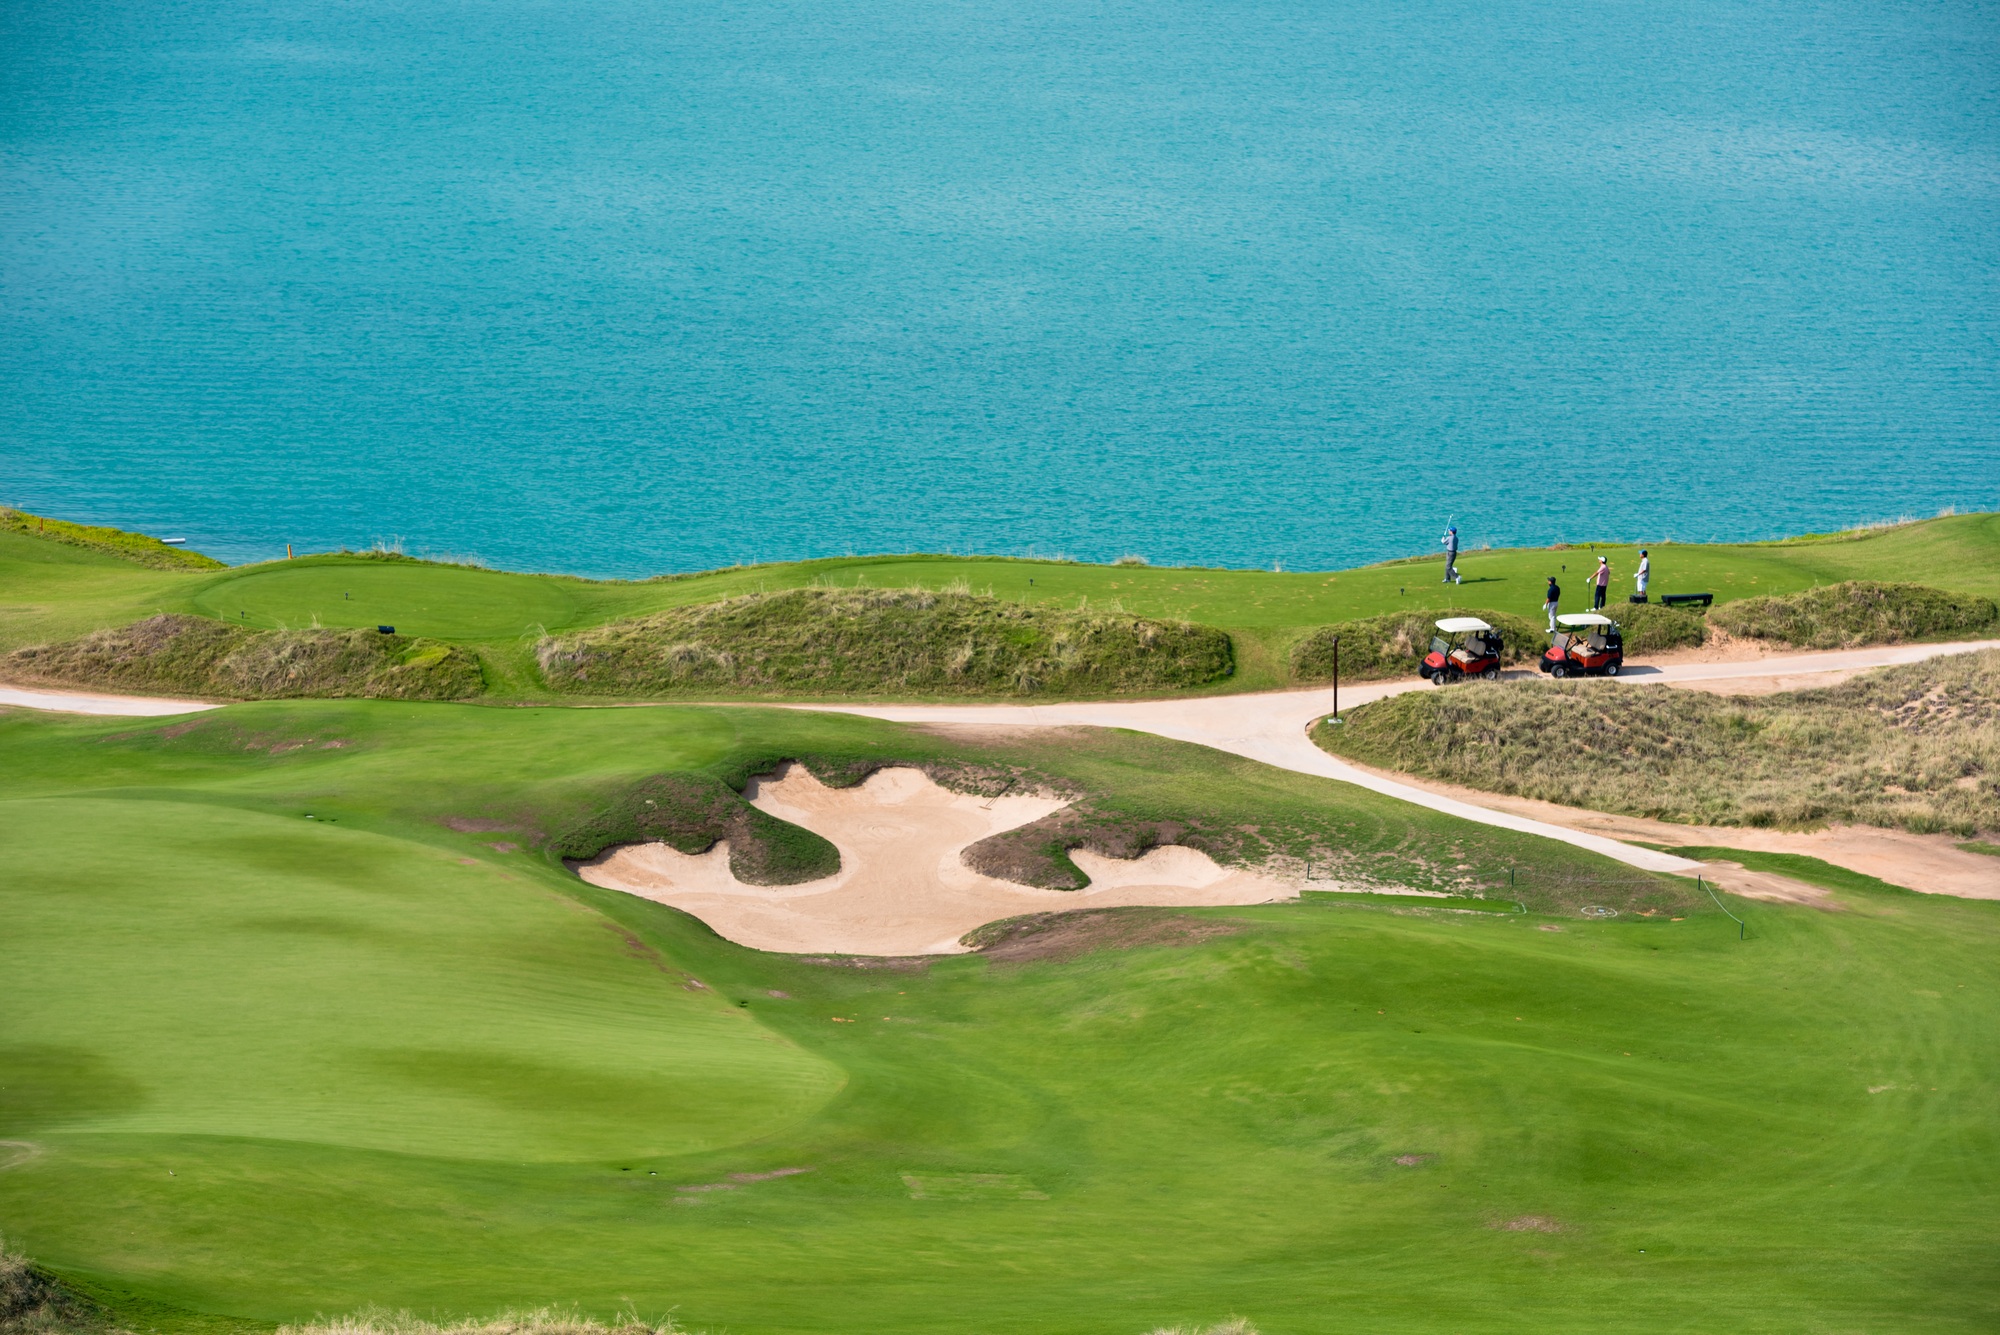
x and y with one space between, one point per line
1550 600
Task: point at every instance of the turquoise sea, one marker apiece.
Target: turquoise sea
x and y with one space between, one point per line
622 286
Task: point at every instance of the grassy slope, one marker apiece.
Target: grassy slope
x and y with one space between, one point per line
56 592
1915 746
359 1048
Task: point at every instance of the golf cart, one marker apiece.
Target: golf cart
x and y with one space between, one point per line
1469 647
1590 644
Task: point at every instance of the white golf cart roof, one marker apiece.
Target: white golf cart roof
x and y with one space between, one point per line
1462 625
1585 619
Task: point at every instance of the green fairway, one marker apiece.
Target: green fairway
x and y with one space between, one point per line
265 1066
56 591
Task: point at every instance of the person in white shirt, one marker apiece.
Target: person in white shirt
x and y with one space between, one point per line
1645 574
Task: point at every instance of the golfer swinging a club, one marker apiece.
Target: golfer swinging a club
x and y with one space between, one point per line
1450 541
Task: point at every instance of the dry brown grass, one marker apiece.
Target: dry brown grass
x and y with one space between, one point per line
1839 616
1914 747
199 656
950 642
1235 1325
33 1303
543 1321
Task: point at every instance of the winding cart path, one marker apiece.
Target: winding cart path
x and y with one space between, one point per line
1270 727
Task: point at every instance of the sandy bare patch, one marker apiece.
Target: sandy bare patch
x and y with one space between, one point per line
1720 647
97 702
1530 1223
902 888
1768 886
1773 685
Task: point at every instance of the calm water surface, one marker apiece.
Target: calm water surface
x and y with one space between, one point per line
619 286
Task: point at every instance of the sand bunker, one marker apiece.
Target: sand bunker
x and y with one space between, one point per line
902 888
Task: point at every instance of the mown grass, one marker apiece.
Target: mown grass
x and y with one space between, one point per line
272 1067
1915 747
192 655
1860 612
57 592
883 641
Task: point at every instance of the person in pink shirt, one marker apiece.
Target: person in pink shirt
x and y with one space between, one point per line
1600 582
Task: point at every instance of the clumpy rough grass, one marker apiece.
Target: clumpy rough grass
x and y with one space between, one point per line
1650 628
199 656
1914 747
1858 612
546 1321
1393 645
32 1302
689 812
863 641
112 541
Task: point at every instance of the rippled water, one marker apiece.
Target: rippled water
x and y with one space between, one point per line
629 285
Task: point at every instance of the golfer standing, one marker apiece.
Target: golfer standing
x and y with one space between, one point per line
1550 599
1602 579
1451 555
1645 575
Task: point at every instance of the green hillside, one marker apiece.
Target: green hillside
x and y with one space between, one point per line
57 592
300 1021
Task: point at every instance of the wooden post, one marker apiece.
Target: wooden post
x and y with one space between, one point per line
1336 679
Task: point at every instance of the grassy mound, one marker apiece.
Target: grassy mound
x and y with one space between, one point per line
1916 747
861 641
112 541
1651 629
1391 646
689 812
198 656
1858 612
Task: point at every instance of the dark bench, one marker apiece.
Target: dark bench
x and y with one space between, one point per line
1687 599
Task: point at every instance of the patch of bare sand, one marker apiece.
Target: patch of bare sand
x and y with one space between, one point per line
1930 863
1719 647
902 888
1797 681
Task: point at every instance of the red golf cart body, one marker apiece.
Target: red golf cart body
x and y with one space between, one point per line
1468 648
1590 644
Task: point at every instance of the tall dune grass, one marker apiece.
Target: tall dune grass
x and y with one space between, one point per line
1838 616
1915 747
862 641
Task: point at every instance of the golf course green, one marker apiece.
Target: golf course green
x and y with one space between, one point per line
299 1021
58 591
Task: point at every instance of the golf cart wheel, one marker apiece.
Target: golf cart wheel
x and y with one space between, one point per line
1611 669
1559 671
1440 677
1491 674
